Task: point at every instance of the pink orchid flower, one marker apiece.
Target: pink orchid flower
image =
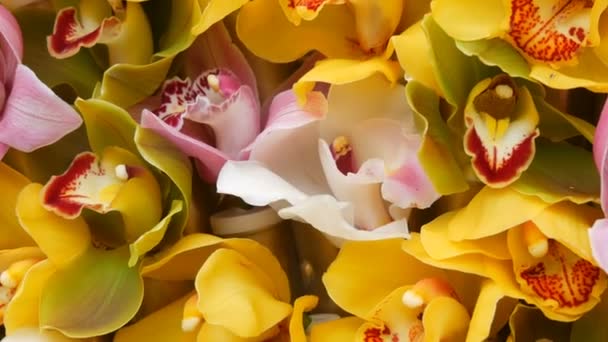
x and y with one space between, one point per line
598 234
353 174
217 116
31 115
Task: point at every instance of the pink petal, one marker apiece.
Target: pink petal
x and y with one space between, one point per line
33 115
69 35
12 43
600 150
235 120
211 160
214 50
598 237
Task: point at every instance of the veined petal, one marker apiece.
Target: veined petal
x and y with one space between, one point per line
69 35
11 42
470 19
229 282
600 154
500 136
562 284
298 10
33 115
332 32
376 21
61 240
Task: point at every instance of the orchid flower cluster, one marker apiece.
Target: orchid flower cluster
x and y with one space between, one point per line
303 170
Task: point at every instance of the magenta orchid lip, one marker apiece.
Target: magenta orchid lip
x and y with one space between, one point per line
303 170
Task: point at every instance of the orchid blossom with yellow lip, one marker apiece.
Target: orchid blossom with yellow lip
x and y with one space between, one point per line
99 253
242 294
31 115
537 251
559 42
405 299
353 175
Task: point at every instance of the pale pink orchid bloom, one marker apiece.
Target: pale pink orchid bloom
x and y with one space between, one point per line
353 174
31 115
217 116
598 234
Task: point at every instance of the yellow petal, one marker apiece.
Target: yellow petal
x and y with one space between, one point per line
296 323
11 233
376 21
590 72
361 263
343 329
569 223
470 19
563 285
343 71
485 215
417 65
445 320
62 240
299 10
213 333
228 282
10 256
214 11
485 309
160 326
434 237
332 33
22 311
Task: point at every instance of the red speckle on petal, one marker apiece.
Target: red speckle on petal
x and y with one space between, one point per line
549 34
69 35
487 165
312 5
568 282
54 193
375 334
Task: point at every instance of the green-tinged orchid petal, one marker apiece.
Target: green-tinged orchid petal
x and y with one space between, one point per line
23 309
343 71
168 159
80 71
557 125
160 326
127 84
470 19
591 327
107 295
560 172
61 240
343 329
485 215
11 233
107 125
117 181
501 122
134 44
214 11
178 35
562 284
437 151
528 323
328 33
496 52
355 266
148 240
434 237
229 282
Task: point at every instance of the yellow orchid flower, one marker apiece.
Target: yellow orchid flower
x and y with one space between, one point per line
559 43
405 299
536 251
242 294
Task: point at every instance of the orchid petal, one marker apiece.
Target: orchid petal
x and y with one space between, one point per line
11 233
376 21
108 294
445 319
485 311
299 10
228 282
133 44
598 237
296 323
69 35
214 11
343 329
23 309
330 33
60 239
460 22
33 115
161 325
600 154
11 41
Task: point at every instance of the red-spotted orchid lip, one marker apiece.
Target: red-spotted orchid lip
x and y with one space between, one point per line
552 32
87 183
296 10
69 34
501 121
